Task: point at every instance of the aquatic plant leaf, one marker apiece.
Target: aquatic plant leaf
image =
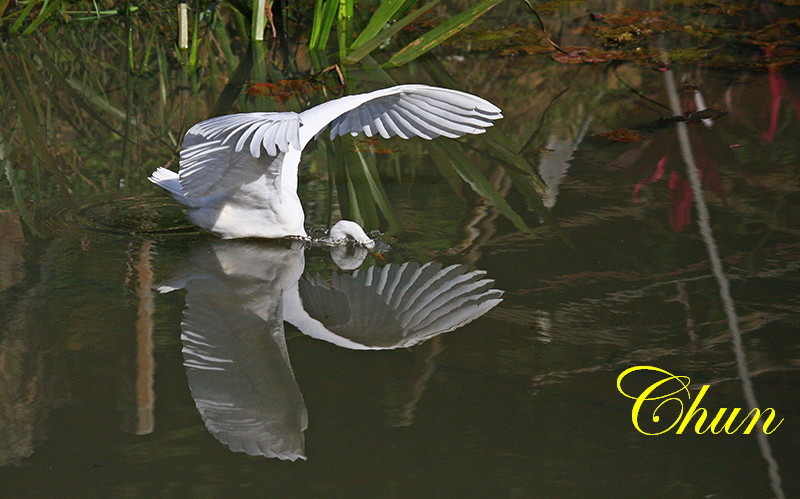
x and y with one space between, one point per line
368 46
630 16
47 10
16 189
23 14
3 6
623 135
781 32
689 54
469 173
508 40
283 90
369 174
727 8
632 26
441 33
362 209
556 6
385 13
324 16
373 146
589 55
526 49
352 184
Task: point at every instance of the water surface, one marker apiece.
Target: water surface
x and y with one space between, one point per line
618 270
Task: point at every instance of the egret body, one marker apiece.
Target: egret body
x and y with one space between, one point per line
238 173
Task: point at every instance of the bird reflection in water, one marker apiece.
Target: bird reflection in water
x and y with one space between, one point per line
238 295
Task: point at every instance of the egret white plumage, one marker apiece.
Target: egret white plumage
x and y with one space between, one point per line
238 173
239 295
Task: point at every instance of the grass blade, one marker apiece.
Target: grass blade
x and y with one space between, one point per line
345 27
370 175
259 20
183 26
357 205
224 42
47 10
444 151
386 11
3 6
362 205
371 44
441 33
14 29
31 118
16 193
324 16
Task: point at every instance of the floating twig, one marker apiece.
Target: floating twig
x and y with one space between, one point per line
544 31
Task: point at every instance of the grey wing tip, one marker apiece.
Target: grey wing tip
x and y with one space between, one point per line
491 108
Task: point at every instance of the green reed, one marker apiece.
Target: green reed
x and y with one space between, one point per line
130 102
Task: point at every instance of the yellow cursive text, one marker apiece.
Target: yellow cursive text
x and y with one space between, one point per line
665 391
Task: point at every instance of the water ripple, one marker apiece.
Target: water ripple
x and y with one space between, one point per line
120 216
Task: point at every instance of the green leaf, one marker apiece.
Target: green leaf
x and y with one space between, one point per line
441 33
258 21
450 175
47 10
364 48
362 205
445 151
386 11
22 16
324 17
357 204
344 29
4 6
370 174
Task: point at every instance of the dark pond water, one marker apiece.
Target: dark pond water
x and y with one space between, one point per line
139 357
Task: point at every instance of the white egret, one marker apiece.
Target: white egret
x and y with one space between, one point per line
240 293
238 173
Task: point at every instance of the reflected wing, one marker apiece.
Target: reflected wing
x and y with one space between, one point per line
234 347
223 153
398 305
406 111
240 377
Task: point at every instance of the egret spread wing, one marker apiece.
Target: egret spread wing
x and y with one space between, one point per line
222 153
405 110
398 305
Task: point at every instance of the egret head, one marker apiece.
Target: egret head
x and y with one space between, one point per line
345 231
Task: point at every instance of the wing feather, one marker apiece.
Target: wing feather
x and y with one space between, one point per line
270 140
452 115
448 107
259 136
433 126
404 126
398 305
404 110
222 153
460 99
366 119
378 124
244 139
226 148
412 115
390 126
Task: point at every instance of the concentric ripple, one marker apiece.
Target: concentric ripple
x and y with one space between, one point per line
120 216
